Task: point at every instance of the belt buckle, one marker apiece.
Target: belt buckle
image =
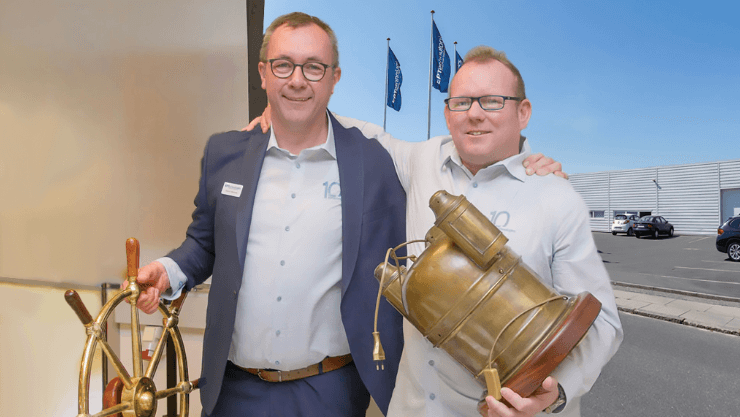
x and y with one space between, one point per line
280 375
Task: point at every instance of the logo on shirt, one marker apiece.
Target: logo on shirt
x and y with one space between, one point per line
332 190
501 219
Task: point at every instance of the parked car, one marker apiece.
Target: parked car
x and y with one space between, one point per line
624 224
653 226
728 238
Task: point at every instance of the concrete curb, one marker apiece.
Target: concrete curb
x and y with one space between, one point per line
714 313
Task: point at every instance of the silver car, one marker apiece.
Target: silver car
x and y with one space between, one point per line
624 223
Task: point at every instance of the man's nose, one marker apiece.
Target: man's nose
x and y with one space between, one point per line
296 78
476 112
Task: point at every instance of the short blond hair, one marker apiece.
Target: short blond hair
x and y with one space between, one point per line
482 54
295 20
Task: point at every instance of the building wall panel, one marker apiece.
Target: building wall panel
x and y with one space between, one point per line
594 189
633 190
729 174
688 196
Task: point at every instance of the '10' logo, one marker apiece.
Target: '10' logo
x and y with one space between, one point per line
332 190
500 219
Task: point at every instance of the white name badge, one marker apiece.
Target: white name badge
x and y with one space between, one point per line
234 190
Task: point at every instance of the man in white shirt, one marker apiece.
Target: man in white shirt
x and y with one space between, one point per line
544 219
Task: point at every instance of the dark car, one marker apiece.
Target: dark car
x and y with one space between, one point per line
728 238
652 226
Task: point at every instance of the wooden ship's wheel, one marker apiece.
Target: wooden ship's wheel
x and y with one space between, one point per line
127 395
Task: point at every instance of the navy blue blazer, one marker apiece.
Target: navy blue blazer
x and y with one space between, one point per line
373 220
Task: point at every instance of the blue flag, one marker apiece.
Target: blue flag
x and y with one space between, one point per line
440 61
458 61
395 78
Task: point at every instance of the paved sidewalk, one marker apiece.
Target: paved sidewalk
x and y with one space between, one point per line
721 314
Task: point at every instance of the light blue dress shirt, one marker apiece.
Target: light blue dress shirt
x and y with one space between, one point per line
288 313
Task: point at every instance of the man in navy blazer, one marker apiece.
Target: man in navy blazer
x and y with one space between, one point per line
339 194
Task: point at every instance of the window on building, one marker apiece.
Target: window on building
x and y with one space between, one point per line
597 214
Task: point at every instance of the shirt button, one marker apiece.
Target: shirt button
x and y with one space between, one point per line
431 396
431 363
292 195
475 185
277 362
287 228
282 263
297 165
277 333
279 298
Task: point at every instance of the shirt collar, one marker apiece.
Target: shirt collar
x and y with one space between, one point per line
328 145
512 164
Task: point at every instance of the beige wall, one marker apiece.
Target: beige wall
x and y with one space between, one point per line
40 351
105 109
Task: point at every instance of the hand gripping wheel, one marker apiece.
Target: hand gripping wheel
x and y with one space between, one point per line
126 395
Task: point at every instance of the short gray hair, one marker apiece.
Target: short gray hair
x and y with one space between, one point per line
295 20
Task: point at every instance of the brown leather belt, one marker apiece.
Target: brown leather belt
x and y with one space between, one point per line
327 365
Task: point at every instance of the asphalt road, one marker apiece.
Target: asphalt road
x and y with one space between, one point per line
682 262
665 369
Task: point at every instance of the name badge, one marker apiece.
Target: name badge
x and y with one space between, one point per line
234 190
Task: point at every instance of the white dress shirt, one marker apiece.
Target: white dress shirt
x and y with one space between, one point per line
546 223
288 313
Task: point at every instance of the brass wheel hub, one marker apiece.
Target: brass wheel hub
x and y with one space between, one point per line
143 397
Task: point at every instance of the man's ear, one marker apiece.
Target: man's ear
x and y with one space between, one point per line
524 112
262 67
336 74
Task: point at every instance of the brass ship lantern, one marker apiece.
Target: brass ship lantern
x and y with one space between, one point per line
470 295
131 395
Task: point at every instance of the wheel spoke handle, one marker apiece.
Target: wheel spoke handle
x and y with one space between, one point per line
185 387
74 301
132 269
132 257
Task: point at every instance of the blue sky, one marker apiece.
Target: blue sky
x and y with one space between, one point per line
613 85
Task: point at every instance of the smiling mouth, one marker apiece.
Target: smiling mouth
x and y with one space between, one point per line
477 133
297 98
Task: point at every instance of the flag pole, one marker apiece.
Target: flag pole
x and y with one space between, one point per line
385 103
431 57
454 62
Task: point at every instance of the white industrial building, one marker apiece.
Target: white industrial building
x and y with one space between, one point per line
695 198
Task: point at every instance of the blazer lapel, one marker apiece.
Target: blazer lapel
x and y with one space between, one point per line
254 156
351 179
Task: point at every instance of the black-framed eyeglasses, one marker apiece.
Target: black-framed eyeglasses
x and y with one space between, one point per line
488 103
283 68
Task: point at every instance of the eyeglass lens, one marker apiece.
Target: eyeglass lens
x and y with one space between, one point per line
313 71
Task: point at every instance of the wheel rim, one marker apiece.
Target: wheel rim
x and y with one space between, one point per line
734 251
655 234
630 232
139 395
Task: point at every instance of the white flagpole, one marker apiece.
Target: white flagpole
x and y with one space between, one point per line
429 101
454 64
385 102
